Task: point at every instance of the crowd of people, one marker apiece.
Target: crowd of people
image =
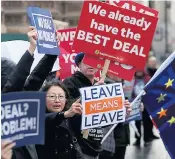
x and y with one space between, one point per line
63 136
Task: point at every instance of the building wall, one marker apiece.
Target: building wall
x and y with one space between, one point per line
14 17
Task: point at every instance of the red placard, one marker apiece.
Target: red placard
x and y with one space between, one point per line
134 6
67 56
121 41
120 70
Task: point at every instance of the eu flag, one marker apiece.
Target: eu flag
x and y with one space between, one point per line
160 102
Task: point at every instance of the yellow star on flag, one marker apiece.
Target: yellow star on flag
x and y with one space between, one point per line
162 113
171 121
169 83
161 98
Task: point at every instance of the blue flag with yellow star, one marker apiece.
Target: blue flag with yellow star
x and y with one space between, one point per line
160 102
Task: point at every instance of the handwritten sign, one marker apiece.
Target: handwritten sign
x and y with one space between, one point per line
102 105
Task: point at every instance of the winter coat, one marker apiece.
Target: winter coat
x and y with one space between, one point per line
58 140
7 67
121 131
17 82
92 145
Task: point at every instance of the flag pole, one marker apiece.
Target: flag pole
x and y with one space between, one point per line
113 127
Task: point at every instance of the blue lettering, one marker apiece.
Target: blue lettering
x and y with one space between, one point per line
112 118
86 122
110 92
117 90
94 92
102 93
119 115
86 95
103 119
95 119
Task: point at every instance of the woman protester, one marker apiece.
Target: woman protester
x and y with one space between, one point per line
60 142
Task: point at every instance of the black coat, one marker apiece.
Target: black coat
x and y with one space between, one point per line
121 131
17 82
7 67
58 140
88 146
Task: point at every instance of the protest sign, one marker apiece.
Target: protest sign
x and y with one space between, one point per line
115 33
46 35
102 105
67 55
134 6
23 117
136 112
120 70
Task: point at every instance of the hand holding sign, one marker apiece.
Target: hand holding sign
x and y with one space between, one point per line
32 35
6 149
76 108
128 107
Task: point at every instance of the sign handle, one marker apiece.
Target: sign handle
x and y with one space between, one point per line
105 68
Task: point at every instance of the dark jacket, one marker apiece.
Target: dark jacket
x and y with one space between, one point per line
121 131
58 140
7 67
17 82
92 145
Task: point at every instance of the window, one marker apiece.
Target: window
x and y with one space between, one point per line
13 19
11 4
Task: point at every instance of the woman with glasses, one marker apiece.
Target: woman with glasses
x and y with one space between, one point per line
59 138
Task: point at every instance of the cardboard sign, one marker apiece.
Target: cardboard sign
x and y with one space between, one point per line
134 6
43 22
67 55
102 105
120 70
23 117
115 33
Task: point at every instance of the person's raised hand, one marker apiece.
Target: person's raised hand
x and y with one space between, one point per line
32 35
128 107
6 149
76 108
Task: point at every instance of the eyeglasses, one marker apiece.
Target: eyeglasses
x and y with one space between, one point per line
53 97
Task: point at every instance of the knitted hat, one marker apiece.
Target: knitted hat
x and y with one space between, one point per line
79 57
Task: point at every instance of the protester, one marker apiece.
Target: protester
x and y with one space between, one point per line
152 65
115 145
7 67
59 142
89 140
141 78
17 82
6 149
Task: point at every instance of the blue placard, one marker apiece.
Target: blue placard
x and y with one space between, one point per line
43 22
23 117
135 113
